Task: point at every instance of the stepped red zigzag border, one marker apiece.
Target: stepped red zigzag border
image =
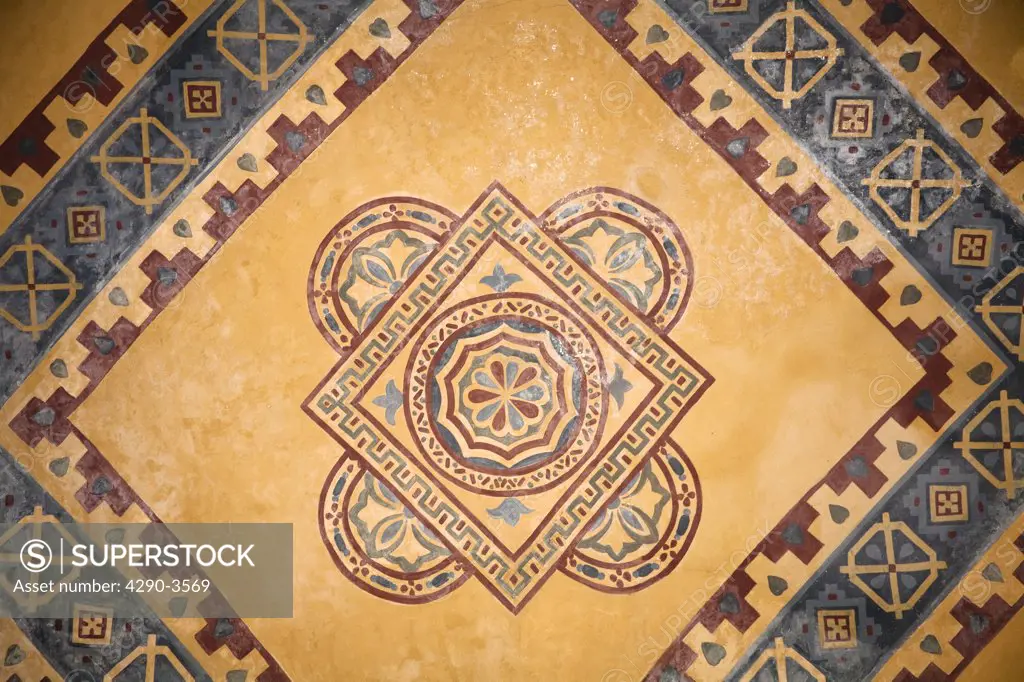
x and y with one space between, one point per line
861 275
90 74
899 16
169 276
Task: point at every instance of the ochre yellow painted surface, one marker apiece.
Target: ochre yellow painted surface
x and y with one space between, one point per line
202 416
40 40
988 34
1000 660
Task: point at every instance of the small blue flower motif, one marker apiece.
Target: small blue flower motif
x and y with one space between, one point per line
499 280
509 511
391 401
619 386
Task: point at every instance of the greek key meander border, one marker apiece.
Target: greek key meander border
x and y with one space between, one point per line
221 227
684 100
284 159
442 269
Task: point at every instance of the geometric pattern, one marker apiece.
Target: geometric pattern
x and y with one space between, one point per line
837 628
47 284
947 503
91 625
279 34
86 224
202 99
787 63
1003 311
779 662
944 499
481 394
972 247
993 442
853 118
915 184
158 662
144 141
36 525
942 504
836 624
727 6
892 566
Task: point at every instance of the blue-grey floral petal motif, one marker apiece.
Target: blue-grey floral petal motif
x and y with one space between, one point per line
499 280
509 511
391 401
619 386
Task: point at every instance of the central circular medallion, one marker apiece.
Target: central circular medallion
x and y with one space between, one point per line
507 394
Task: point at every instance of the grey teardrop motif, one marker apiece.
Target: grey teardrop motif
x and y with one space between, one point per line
104 344
862 276
427 9
777 585
910 295
118 297
981 374
14 655
737 147
315 94
247 162
930 644
720 100
380 29
905 450
12 195
838 513
183 229
137 53
77 128
45 416
294 140
910 61
846 232
166 276
729 603
656 34
714 653
59 467
992 573
786 167
972 128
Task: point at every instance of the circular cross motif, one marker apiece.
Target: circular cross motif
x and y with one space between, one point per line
892 565
915 183
788 63
507 395
43 279
993 442
146 173
279 37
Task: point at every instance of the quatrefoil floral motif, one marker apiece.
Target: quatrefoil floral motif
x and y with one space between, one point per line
480 356
378 270
623 259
